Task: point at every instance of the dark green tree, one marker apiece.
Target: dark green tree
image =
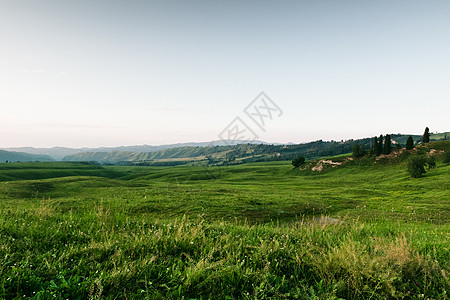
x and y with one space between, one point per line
375 146
409 143
416 166
358 151
387 144
298 161
426 135
379 146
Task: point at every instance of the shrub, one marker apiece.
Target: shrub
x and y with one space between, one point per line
446 157
431 161
416 166
298 161
358 151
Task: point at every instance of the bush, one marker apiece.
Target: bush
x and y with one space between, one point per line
416 166
358 151
298 161
446 157
431 161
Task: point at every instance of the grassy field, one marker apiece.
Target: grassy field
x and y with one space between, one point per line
252 231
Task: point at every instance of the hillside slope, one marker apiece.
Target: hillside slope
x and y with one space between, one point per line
43 170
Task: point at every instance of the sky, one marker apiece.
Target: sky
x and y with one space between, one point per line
108 73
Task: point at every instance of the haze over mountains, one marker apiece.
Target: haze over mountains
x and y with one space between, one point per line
58 153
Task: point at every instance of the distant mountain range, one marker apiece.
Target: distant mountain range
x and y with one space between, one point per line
58 153
214 152
12 156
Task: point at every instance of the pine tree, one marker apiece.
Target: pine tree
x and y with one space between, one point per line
379 148
375 146
409 143
426 135
387 145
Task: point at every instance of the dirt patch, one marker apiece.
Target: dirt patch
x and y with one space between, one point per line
324 163
435 152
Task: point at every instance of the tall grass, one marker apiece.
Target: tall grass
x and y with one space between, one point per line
105 254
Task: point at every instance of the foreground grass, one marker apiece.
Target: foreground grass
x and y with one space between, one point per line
241 232
103 253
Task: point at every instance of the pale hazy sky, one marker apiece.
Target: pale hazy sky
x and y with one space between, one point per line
109 73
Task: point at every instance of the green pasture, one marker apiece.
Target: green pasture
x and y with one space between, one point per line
251 231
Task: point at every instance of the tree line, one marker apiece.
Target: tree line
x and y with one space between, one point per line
384 145
416 164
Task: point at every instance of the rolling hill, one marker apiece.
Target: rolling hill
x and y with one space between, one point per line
356 231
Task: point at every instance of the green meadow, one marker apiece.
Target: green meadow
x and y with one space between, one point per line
72 230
